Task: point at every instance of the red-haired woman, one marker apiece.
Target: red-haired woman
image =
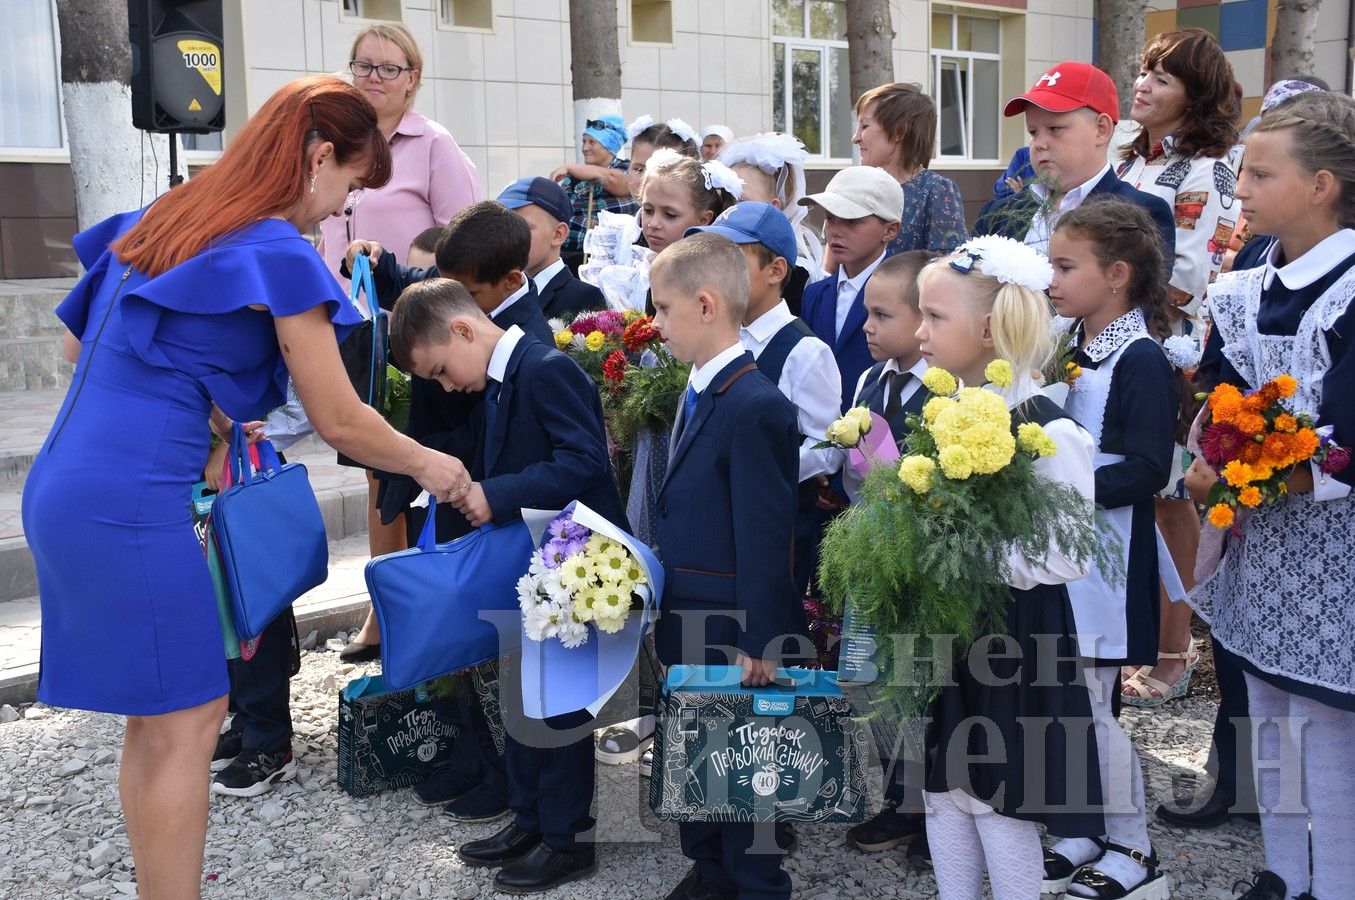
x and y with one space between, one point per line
193 311
1187 102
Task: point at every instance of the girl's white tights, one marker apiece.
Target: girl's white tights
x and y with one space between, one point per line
1304 753
964 834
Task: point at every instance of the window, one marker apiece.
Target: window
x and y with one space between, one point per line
30 79
811 84
966 85
651 21
477 14
372 9
210 142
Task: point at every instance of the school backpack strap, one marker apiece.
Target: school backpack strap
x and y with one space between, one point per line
778 349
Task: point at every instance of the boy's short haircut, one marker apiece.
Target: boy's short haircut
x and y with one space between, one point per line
705 262
423 314
905 268
766 256
483 243
427 240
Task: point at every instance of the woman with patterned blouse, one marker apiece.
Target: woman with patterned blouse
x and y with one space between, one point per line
896 130
1187 102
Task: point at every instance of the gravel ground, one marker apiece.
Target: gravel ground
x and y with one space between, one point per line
62 835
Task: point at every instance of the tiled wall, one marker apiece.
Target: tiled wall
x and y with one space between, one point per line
1244 27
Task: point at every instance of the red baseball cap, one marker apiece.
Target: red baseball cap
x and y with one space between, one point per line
1069 86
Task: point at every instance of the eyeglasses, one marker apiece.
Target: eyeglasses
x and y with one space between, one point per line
600 125
385 71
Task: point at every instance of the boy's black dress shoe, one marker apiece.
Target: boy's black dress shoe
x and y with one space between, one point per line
544 867
1266 886
1211 814
501 848
886 830
694 887
444 786
481 803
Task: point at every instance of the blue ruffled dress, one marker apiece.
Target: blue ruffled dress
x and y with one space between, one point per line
129 620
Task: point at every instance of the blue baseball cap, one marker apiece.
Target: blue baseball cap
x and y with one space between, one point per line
540 192
755 222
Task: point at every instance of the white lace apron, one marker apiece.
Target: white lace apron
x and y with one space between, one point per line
1099 609
1284 594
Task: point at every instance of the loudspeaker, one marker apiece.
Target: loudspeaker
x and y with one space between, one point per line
176 65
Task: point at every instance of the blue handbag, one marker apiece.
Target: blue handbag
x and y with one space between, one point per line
446 607
270 535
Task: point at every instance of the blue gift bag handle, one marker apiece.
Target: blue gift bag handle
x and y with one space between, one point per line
241 467
428 536
363 282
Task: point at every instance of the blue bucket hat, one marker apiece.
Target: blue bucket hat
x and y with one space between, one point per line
609 131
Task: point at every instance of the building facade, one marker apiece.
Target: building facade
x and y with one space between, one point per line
497 75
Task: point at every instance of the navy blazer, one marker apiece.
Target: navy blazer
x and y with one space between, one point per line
545 444
1011 216
442 419
565 296
819 309
726 524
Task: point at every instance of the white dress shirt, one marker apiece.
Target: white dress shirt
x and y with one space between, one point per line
847 289
512 298
503 351
702 376
1042 226
542 278
809 379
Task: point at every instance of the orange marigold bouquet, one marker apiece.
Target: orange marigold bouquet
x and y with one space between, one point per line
1253 442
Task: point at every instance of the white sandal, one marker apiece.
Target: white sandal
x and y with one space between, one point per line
1135 690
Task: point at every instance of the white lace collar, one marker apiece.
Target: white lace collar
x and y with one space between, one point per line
1126 328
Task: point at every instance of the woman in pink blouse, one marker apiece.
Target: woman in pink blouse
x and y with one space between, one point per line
431 181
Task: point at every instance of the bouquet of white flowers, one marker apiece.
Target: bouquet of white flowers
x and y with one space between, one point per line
590 594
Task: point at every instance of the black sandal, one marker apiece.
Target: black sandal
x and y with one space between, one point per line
1059 869
1154 886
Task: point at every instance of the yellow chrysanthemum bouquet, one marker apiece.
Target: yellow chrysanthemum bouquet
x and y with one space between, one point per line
925 554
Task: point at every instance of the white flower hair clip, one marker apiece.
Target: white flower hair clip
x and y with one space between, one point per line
682 130
1007 260
662 158
769 151
638 127
719 175
1182 351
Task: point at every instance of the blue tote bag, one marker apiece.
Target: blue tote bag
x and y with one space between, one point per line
446 607
270 535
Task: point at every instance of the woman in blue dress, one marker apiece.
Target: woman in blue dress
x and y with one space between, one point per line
192 312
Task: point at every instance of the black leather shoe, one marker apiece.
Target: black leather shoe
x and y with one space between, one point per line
1265 886
1211 814
508 844
357 652
694 887
543 868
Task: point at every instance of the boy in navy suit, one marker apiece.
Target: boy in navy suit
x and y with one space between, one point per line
726 513
542 444
486 245
1070 114
790 356
861 210
545 207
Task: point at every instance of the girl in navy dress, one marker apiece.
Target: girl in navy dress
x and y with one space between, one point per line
193 311
1281 599
1109 284
1013 749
